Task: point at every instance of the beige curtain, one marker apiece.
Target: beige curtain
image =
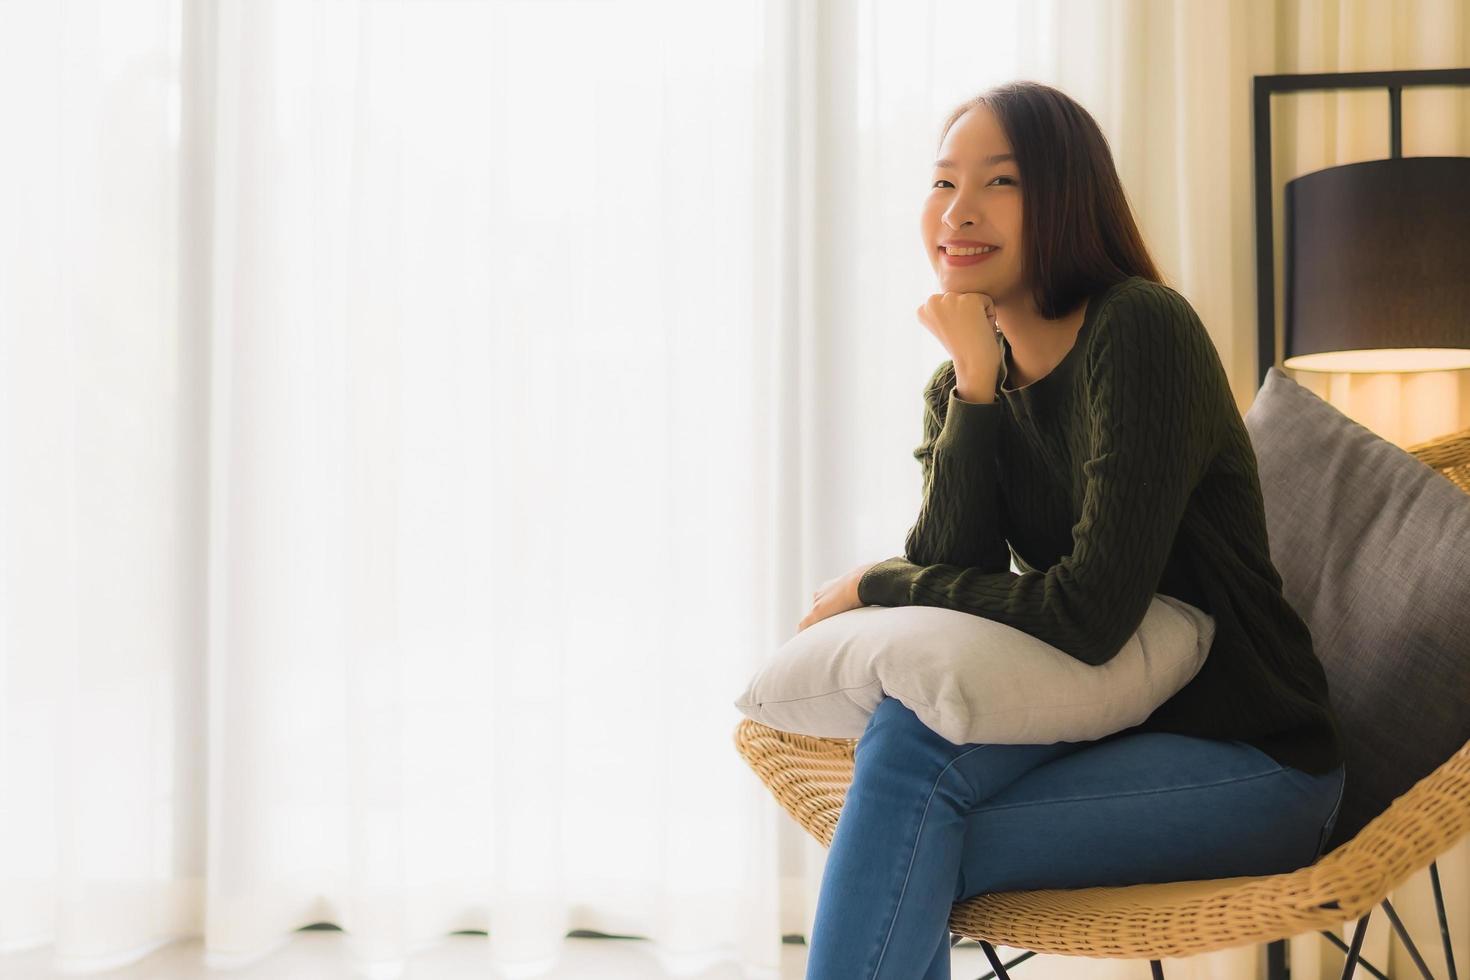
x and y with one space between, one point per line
389 505
1329 129
1170 82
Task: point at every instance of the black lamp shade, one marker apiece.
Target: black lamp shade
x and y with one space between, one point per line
1378 259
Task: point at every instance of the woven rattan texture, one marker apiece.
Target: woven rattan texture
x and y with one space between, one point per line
809 778
1449 454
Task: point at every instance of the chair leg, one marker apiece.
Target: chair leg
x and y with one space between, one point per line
1352 957
1398 927
1157 968
1444 927
1276 960
997 970
1335 940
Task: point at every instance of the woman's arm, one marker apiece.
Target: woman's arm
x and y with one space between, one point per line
959 521
1156 389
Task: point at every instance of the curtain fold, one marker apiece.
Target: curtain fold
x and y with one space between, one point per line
386 449
419 419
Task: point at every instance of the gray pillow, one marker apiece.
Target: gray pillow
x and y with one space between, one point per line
973 679
1373 548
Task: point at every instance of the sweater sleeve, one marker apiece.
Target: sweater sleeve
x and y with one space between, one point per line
959 521
1152 388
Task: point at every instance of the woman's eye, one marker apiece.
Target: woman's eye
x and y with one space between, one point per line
1002 177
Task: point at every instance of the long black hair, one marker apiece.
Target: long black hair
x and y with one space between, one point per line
1079 233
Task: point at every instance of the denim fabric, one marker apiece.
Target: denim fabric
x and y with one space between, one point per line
927 823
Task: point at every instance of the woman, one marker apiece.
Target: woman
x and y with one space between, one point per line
1084 422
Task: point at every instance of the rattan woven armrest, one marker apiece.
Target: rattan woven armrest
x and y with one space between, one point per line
1450 454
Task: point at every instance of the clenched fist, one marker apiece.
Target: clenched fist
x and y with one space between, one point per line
964 323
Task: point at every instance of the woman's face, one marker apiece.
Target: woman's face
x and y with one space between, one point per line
976 196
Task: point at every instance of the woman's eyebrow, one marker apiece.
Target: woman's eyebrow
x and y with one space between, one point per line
950 164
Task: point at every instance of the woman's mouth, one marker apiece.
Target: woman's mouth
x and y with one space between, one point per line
966 259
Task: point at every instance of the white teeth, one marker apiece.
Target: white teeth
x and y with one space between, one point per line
969 251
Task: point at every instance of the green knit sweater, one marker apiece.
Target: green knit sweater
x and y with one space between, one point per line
1125 471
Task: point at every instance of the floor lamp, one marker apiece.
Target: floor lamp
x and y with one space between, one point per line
1377 253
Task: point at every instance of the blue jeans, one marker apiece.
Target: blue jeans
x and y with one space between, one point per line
928 823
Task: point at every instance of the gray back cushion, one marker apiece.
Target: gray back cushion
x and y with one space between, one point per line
1373 548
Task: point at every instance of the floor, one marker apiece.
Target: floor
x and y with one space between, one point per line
317 955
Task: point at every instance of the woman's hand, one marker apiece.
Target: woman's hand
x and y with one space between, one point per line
965 324
835 596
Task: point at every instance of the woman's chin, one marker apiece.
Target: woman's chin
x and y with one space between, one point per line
960 270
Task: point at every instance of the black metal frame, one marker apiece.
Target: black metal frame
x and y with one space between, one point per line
1276 965
1266 86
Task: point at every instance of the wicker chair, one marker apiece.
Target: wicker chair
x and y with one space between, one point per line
809 778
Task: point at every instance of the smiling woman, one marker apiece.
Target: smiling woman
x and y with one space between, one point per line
1076 233
1098 443
1046 257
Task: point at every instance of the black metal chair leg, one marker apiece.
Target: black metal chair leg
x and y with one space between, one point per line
1352 956
1157 968
1276 960
1366 964
1444 927
1398 927
997 970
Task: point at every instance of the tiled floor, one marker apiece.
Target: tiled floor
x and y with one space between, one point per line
317 955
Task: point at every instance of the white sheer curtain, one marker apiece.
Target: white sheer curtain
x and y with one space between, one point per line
390 485
419 418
